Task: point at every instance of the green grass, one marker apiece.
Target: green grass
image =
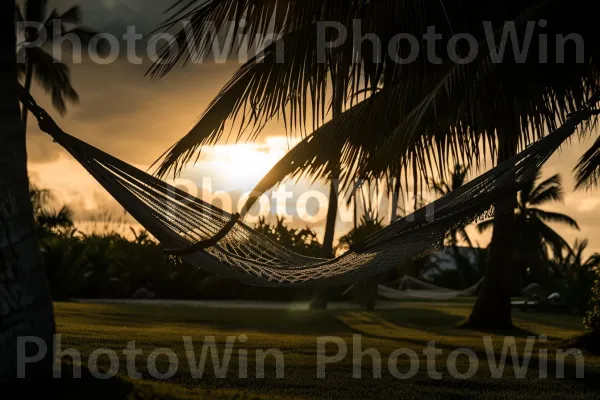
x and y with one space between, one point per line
89 327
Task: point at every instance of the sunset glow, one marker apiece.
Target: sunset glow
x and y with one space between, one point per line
242 166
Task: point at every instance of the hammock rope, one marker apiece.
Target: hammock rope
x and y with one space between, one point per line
220 243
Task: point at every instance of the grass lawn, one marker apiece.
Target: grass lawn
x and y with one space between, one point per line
87 327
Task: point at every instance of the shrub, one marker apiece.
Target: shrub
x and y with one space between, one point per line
592 319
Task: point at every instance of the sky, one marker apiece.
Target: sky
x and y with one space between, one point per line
136 119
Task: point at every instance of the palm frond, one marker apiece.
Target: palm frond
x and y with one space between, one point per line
554 181
203 20
405 121
552 193
39 197
485 225
579 248
259 91
303 74
553 217
50 20
481 88
54 77
35 10
71 16
593 261
465 237
550 236
55 220
440 188
527 189
459 176
587 171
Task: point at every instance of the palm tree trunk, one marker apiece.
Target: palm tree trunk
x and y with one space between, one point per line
331 215
395 199
492 309
27 86
355 205
25 306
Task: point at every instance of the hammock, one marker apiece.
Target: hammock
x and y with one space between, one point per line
220 243
412 288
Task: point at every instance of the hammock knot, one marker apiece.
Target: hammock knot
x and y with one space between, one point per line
45 121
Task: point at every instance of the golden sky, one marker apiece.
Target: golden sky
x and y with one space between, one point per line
137 119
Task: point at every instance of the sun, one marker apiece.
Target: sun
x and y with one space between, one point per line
242 166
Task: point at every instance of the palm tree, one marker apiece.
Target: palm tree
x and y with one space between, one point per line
49 221
533 235
458 178
25 306
417 115
53 75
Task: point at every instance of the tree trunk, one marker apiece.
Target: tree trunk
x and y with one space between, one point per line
25 306
27 86
395 199
492 309
331 216
365 293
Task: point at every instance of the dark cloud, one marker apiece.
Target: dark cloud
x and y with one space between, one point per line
125 113
114 16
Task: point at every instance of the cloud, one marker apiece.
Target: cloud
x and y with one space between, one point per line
114 16
125 113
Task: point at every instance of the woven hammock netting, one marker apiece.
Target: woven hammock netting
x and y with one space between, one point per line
179 220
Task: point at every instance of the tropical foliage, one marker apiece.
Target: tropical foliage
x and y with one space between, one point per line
111 262
572 275
53 75
458 177
592 319
49 221
533 234
106 263
399 105
365 290
302 241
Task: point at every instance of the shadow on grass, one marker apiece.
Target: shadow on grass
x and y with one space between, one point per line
439 321
91 388
515 331
118 388
206 319
557 320
588 343
570 371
